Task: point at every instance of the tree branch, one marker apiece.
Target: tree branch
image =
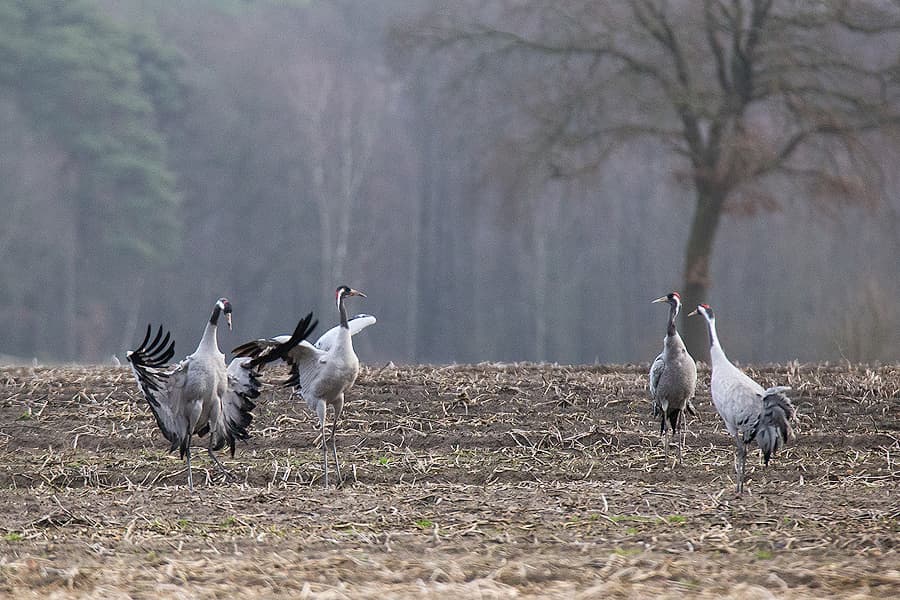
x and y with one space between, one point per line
718 52
654 21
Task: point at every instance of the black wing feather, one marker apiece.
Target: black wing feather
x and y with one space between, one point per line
147 363
262 351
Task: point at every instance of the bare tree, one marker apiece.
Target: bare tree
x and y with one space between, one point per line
748 92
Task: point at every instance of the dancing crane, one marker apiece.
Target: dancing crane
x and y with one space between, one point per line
321 375
200 394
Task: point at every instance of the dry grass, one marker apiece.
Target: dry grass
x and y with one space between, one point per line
492 481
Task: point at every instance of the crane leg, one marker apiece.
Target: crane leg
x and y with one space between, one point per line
188 459
320 411
678 429
219 464
338 409
740 458
665 438
743 465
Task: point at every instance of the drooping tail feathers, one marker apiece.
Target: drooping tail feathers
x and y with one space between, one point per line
775 422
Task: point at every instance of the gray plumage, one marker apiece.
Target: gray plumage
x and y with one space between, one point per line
751 413
673 378
200 394
322 375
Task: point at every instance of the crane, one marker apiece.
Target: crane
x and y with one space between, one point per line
200 394
751 413
322 375
673 377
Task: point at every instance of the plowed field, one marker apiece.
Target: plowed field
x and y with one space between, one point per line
484 481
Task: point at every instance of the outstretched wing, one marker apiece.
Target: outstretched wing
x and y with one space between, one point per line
357 324
266 350
163 389
259 348
301 356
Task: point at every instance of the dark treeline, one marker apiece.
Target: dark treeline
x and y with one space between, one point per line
156 156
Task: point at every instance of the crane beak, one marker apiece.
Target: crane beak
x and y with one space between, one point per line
228 320
693 312
353 292
662 299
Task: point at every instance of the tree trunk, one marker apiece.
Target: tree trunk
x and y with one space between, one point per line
696 265
545 214
539 286
70 298
71 262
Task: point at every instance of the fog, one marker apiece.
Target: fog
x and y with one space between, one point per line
156 156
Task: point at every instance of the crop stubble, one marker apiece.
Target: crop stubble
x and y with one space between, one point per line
491 481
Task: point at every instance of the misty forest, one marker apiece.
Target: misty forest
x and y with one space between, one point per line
505 180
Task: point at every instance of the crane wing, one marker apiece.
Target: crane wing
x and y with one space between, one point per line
259 348
266 350
737 400
237 402
356 323
656 371
305 361
163 389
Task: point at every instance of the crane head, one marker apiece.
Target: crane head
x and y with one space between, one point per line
705 310
225 306
671 298
344 291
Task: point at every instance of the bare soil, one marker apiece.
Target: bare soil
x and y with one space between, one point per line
484 481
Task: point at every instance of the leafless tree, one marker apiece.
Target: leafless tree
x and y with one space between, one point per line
521 197
747 92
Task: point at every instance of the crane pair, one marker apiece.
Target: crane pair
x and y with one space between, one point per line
201 394
750 413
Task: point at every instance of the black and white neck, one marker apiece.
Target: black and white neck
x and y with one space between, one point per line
673 299
209 333
673 312
339 294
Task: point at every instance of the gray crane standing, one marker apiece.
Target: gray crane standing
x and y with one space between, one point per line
751 413
673 377
200 395
321 375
